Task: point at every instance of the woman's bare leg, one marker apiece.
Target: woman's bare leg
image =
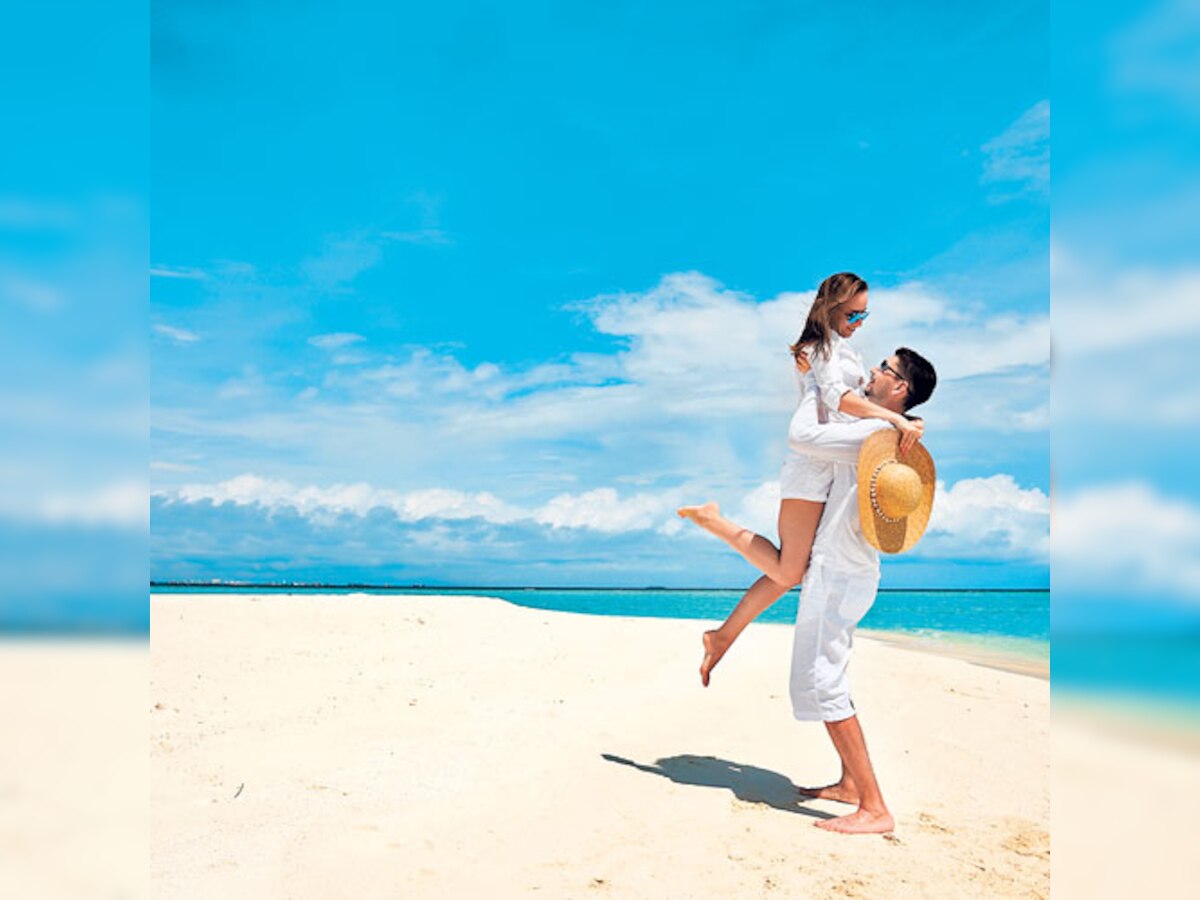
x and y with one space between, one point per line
798 521
761 594
785 564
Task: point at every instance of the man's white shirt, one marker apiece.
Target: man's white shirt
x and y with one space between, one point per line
839 543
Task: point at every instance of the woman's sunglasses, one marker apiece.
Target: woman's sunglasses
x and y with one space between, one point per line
854 318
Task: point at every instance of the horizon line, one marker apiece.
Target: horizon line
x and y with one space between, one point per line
275 585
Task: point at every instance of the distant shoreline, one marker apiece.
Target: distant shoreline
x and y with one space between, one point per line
354 586
1021 656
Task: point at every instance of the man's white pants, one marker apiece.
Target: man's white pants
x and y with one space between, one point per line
831 605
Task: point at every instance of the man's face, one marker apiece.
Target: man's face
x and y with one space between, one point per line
887 385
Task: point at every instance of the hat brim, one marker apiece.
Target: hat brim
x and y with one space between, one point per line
903 534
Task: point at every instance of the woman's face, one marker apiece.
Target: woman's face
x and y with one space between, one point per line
849 316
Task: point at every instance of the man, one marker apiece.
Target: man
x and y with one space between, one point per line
838 588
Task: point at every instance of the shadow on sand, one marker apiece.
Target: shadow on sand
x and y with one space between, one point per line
749 784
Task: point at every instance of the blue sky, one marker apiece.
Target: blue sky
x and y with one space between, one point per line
477 294
74 363
1125 282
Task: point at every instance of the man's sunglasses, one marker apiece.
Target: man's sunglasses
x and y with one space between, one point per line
884 367
854 318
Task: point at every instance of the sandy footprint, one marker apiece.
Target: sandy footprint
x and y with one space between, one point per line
926 822
1026 839
850 887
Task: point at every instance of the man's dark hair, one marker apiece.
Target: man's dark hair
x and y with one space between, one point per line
921 377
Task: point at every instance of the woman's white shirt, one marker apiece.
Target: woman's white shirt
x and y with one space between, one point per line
833 375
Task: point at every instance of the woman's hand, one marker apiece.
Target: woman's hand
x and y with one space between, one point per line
911 431
802 362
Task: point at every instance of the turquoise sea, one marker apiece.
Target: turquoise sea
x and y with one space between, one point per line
1014 621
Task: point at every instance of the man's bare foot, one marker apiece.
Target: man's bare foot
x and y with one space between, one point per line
714 648
704 515
843 792
860 822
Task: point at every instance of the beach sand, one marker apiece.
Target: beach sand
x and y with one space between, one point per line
73 778
370 746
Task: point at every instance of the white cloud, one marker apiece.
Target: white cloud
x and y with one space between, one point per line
603 510
1099 312
34 293
21 212
158 465
700 351
1127 537
961 341
335 340
180 335
698 392
1154 56
975 518
249 384
759 510
439 503
182 272
1136 328
988 518
124 504
1020 155
689 331
425 236
341 260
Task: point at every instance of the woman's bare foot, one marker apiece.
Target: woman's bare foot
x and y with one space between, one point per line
714 648
705 515
843 792
860 822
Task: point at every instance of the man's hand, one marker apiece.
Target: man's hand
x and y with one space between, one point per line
911 431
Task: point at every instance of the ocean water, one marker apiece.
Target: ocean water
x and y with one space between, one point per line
1017 620
1164 666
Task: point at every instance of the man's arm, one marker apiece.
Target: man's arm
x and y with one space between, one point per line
833 441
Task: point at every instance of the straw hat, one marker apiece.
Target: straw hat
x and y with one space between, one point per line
895 495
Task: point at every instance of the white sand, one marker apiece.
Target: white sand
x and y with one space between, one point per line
316 747
73 780
1125 791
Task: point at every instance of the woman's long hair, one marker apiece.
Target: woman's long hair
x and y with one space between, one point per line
820 327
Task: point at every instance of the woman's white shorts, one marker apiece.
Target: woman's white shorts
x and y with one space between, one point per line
805 478
831 606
